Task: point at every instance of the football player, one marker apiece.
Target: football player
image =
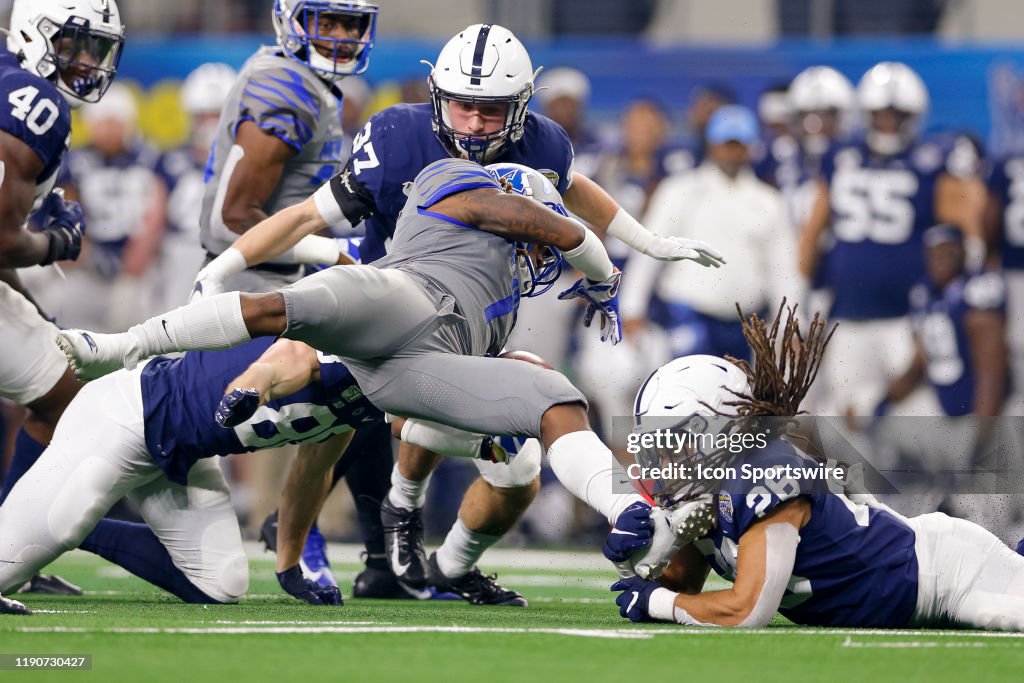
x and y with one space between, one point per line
60 53
876 197
480 88
150 434
819 557
415 327
280 137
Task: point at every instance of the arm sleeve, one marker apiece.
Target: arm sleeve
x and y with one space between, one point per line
283 104
344 199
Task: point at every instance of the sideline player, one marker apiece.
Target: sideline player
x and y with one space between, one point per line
877 196
415 326
818 557
59 54
480 88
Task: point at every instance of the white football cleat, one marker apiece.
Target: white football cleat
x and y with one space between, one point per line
673 529
93 355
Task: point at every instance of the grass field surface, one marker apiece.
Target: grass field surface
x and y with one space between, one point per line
570 632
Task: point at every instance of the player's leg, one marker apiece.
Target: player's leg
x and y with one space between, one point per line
491 507
505 396
198 527
96 456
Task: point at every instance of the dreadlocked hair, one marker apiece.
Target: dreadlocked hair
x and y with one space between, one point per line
779 379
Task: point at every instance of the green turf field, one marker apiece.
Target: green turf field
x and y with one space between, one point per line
570 632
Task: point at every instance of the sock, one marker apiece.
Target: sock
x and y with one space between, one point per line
587 468
208 324
367 470
26 451
461 550
136 548
407 493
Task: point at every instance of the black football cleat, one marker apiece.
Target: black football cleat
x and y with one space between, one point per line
8 606
475 587
403 538
50 584
382 584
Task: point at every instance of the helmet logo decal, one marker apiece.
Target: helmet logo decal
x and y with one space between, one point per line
478 54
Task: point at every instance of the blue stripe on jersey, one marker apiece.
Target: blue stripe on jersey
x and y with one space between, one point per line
503 306
457 187
304 132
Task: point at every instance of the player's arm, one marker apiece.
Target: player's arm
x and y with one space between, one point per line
589 201
687 572
810 236
309 481
764 566
961 201
143 246
905 384
986 332
255 176
19 168
992 226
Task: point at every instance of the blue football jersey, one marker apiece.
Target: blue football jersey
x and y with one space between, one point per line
35 112
182 173
880 208
939 318
398 142
1006 182
180 396
855 565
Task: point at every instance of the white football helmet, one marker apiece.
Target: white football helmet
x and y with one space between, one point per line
292 19
823 105
892 85
688 395
483 64
76 44
206 88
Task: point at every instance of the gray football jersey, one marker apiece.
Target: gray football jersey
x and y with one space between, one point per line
476 267
286 100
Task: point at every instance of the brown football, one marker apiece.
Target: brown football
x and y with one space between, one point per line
528 357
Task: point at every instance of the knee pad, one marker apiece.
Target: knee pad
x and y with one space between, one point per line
519 473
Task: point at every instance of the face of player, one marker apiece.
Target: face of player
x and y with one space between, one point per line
888 121
945 262
110 136
731 156
643 129
477 118
334 27
78 56
565 111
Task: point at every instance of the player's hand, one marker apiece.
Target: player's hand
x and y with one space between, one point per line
679 248
602 297
237 406
65 229
205 286
635 599
633 531
298 586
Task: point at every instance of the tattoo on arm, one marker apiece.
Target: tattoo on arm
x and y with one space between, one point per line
514 217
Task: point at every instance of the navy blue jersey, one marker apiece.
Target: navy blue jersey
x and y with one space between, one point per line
115 193
182 172
1007 183
180 396
855 565
880 208
939 318
36 113
398 142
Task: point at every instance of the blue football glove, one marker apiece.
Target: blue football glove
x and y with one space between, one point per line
237 406
602 297
633 531
298 586
65 229
635 598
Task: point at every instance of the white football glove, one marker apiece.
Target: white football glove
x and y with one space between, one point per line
679 248
602 297
205 286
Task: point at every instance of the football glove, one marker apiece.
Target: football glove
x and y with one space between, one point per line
678 248
602 297
65 230
237 406
298 586
632 532
635 599
204 287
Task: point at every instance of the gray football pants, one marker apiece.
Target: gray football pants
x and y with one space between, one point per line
404 344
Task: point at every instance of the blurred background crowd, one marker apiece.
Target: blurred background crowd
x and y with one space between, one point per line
637 86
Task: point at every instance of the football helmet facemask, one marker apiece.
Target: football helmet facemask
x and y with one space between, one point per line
298 24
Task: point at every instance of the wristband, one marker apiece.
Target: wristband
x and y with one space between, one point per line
230 262
591 258
661 604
